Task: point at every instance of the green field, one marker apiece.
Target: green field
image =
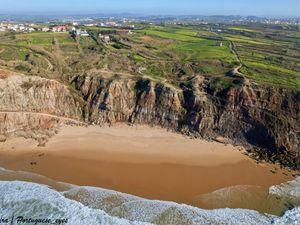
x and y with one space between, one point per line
172 52
179 36
40 38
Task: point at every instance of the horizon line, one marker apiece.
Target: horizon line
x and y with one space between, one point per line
67 13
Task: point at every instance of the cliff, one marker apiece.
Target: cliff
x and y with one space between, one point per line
262 118
20 93
265 120
34 107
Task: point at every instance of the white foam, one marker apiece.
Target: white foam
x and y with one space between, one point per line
172 213
95 206
99 198
39 201
289 189
291 217
161 212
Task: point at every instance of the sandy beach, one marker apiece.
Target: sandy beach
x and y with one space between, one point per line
147 162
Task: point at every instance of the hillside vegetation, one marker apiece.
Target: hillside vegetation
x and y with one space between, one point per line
171 54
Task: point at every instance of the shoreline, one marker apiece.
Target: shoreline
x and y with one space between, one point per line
144 161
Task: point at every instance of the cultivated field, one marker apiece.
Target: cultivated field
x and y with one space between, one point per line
173 54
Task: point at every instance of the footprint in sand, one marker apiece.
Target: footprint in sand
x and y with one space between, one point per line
41 154
33 163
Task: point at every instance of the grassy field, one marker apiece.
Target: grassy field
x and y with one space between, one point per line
42 38
189 36
186 46
13 53
269 55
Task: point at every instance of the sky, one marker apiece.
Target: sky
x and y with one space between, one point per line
166 7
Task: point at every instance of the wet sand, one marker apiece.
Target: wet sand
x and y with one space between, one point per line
143 161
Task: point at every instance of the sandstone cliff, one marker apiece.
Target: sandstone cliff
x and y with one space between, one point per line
34 107
19 93
266 119
263 118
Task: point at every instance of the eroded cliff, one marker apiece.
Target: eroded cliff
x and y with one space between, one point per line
34 107
263 119
257 117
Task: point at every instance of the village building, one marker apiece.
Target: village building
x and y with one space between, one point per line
30 29
128 32
90 25
78 32
84 34
104 38
45 29
62 28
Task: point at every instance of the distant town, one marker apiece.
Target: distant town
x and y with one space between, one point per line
72 28
79 26
28 23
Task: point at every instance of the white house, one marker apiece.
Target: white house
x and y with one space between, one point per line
45 29
84 33
104 38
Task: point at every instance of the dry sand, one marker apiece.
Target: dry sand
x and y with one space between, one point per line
144 161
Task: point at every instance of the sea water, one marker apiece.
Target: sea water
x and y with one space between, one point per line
61 203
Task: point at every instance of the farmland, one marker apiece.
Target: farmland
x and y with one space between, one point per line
172 53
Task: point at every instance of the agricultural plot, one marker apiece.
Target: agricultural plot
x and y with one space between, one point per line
272 60
171 53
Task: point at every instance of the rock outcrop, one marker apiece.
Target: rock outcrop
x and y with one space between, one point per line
264 118
34 107
19 93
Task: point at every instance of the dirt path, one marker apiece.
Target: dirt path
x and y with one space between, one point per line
164 81
236 70
234 52
50 66
45 114
79 46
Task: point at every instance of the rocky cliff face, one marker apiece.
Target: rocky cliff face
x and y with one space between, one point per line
19 93
264 118
34 107
126 100
32 126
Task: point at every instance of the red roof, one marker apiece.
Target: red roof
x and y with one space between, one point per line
124 31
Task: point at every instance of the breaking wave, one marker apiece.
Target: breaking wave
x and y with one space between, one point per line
89 205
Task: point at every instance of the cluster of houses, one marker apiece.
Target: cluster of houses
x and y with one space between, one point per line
72 29
56 29
17 27
27 28
106 24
